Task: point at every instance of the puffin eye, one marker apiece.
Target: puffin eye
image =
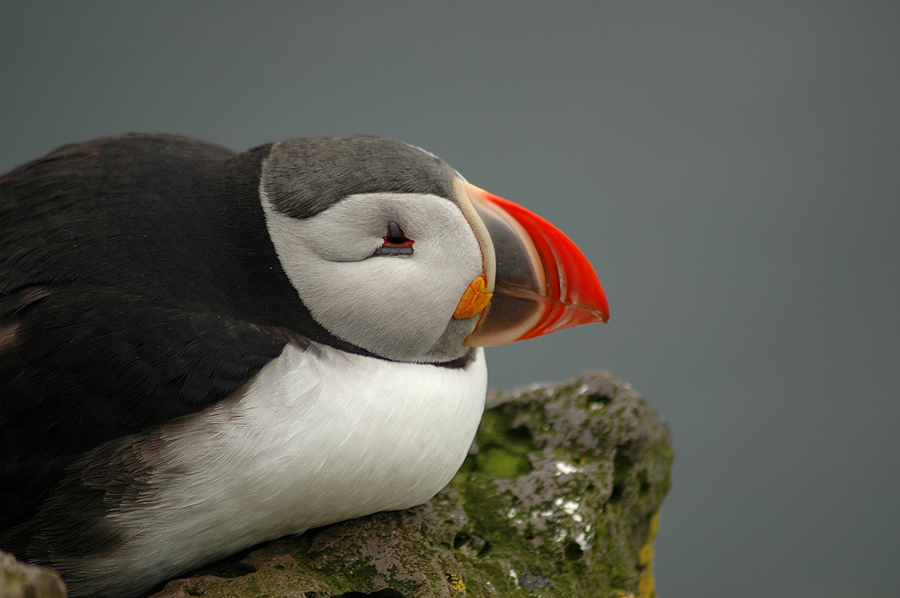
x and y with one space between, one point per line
395 242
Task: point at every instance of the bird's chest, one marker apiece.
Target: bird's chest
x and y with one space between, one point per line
321 436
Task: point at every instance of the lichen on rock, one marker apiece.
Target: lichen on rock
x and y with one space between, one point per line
560 496
20 580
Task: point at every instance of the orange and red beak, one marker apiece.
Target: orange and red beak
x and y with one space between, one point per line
541 281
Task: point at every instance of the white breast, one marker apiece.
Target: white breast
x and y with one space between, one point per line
319 436
322 435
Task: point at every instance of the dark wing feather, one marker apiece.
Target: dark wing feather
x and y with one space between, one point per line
137 284
87 365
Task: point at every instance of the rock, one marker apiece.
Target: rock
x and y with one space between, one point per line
18 580
560 496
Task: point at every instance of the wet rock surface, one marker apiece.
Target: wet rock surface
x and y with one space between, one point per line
560 496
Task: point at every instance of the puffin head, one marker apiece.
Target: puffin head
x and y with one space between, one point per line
394 252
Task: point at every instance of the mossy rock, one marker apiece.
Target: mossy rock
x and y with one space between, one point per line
20 580
560 496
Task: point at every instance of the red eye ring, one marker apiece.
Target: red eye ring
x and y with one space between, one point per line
395 242
395 236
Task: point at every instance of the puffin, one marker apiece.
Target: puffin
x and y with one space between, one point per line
202 350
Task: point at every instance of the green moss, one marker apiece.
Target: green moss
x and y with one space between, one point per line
498 462
497 429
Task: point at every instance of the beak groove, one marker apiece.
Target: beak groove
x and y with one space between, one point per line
544 283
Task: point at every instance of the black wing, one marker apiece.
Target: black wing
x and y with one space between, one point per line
137 284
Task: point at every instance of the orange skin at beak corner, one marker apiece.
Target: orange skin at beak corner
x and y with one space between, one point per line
561 289
474 300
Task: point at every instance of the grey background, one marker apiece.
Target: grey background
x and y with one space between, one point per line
731 169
